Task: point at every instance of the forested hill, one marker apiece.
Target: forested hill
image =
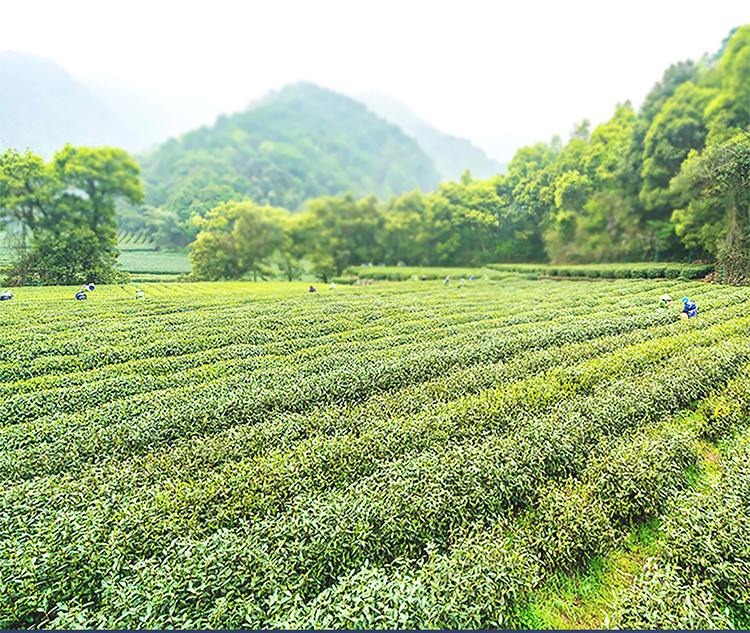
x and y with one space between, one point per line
452 155
301 142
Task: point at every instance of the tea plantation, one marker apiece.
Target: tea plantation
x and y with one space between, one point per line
510 453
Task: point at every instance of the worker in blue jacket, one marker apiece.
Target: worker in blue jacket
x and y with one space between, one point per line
689 309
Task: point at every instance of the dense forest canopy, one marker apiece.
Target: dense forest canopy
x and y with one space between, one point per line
300 143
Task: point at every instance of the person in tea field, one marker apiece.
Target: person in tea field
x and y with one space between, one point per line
665 300
6 295
312 288
139 294
689 309
80 295
332 286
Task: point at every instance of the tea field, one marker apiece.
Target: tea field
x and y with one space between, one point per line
510 453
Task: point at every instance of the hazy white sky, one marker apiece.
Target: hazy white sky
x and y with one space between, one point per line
503 74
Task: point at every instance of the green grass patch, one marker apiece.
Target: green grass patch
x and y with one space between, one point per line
586 599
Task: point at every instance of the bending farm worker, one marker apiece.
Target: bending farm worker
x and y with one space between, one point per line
139 294
665 300
5 295
689 309
312 288
80 295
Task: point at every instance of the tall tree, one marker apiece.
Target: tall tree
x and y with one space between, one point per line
405 232
336 232
236 238
95 177
674 76
679 127
27 191
68 207
729 112
714 186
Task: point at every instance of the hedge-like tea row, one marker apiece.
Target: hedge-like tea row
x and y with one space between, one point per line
640 270
413 456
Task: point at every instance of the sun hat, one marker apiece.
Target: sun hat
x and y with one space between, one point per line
685 300
665 297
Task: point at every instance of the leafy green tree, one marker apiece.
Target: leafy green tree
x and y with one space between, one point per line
593 218
27 191
729 112
462 221
678 128
530 194
336 232
68 256
259 233
572 191
236 238
714 186
94 177
286 258
65 205
405 234
214 256
674 76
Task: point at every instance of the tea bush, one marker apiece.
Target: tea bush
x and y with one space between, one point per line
411 455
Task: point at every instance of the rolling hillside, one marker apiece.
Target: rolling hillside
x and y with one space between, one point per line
299 143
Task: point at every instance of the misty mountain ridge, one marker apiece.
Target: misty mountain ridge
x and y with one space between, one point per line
43 107
452 154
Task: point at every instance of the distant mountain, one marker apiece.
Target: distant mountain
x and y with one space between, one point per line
153 119
298 143
452 155
42 107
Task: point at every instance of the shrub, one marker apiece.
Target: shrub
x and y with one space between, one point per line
635 479
568 527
